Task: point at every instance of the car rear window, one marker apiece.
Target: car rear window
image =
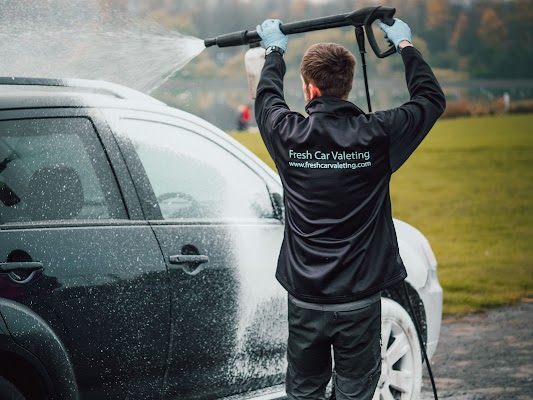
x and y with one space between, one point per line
55 169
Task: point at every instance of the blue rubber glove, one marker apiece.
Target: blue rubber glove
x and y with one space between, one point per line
271 35
398 32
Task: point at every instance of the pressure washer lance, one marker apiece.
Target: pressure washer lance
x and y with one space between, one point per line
358 18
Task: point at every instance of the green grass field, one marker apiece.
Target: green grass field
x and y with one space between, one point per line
469 189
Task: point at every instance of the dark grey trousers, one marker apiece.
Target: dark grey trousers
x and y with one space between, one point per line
354 335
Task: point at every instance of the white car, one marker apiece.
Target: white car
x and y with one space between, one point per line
138 246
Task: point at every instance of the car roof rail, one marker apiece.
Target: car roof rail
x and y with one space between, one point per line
114 89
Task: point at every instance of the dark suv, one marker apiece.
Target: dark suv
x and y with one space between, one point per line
138 246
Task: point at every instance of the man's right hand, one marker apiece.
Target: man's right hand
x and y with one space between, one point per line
271 35
397 33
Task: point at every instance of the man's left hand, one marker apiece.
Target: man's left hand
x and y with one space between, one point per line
397 33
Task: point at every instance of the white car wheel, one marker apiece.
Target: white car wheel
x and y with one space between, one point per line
401 357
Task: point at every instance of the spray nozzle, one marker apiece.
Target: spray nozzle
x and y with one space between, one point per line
234 39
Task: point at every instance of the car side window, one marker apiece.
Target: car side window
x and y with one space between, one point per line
55 169
194 177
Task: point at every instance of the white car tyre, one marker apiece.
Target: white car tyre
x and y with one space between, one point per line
401 356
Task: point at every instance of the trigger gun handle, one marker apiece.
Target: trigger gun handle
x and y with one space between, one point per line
369 15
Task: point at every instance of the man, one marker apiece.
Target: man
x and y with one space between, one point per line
340 248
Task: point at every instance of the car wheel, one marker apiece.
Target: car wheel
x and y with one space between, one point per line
8 391
401 357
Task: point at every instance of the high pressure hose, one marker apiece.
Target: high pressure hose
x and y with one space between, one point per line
421 340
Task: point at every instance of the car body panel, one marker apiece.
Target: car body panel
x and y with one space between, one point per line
232 296
228 332
423 277
92 292
92 297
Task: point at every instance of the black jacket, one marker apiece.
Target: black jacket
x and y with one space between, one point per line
335 165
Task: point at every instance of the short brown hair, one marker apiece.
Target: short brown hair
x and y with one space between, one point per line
330 67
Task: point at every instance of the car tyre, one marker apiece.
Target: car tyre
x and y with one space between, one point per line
8 391
401 357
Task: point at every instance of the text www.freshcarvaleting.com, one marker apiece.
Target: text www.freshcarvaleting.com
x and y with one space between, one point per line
319 165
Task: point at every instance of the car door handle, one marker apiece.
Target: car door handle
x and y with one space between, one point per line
189 263
188 259
7 267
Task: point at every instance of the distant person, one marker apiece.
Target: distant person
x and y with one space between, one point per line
243 119
506 102
340 248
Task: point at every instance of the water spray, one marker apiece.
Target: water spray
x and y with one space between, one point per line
363 17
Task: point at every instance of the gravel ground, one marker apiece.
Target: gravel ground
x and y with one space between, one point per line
486 356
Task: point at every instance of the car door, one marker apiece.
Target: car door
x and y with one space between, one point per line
72 252
213 215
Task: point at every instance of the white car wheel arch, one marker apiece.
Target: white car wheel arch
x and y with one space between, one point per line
401 357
